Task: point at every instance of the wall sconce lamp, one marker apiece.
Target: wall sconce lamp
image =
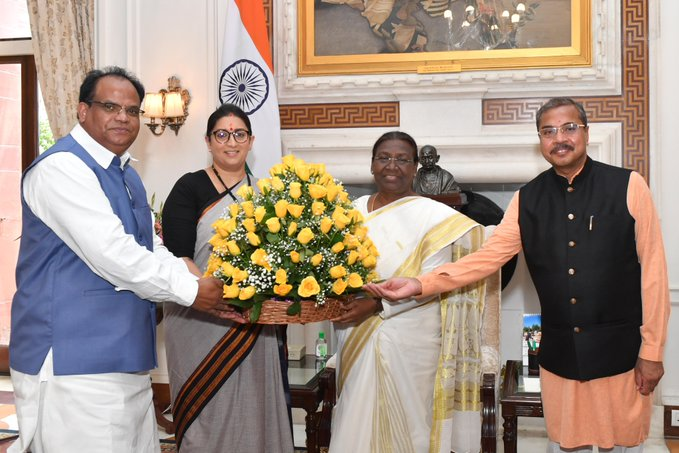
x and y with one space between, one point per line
169 106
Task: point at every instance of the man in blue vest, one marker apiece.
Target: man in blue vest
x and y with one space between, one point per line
593 245
90 267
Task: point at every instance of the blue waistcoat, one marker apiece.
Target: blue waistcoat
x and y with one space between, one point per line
580 247
61 304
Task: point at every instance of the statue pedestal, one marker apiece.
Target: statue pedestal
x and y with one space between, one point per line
454 200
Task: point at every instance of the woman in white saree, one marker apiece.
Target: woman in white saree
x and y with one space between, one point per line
399 379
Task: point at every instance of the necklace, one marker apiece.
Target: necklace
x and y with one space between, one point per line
229 189
372 202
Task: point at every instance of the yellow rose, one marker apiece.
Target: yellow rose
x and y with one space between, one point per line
295 190
326 224
292 228
281 208
352 258
245 192
277 184
213 264
305 236
282 290
338 272
362 252
281 276
343 196
227 269
248 208
373 251
351 241
239 275
273 224
340 219
333 190
233 248
319 169
260 212
231 291
220 228
264 184
317 207
308 287
339 286
369 262
289 160
303 171
317 191
231 224
253 239
294 256
246 293
355 280
215 241
316 259
276 170
295 210
259 258
233 209
249 225
338 247
361 234
372 276
325 178
355 215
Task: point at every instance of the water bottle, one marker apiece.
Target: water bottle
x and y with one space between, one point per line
321 347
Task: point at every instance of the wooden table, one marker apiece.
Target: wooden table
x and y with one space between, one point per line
307 388
516 402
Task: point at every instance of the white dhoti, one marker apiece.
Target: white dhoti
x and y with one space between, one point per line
94 413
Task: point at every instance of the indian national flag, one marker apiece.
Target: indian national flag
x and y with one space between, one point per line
247 80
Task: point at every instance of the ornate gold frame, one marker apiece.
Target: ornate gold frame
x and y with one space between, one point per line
578 54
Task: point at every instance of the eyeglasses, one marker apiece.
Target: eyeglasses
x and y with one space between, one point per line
239 135
113 108
568 129
400 162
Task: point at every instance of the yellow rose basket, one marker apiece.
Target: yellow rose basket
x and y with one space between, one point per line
288 253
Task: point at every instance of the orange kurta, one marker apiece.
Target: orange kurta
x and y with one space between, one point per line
608 411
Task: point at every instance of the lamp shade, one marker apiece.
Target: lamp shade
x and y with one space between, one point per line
174 106
153 105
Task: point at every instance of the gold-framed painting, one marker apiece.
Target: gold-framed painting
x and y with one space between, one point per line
338 37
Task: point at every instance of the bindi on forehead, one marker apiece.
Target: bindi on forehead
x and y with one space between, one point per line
231 123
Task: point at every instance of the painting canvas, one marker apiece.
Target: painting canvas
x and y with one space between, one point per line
368 36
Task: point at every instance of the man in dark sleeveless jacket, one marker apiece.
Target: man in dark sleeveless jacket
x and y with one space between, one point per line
83 322
593 246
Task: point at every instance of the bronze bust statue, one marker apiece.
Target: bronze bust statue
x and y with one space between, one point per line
431 179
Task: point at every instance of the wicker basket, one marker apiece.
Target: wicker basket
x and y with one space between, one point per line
275 312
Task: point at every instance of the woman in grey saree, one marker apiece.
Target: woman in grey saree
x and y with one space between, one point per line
226 380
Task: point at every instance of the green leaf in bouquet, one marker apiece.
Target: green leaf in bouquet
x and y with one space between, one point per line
295 308
273 238
245 304
255 312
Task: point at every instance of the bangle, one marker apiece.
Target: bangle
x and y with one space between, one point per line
378 306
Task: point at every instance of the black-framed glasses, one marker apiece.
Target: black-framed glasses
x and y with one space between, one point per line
568 129
111 107
399 161
239 135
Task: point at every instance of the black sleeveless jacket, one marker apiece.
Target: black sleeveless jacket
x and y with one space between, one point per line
580 248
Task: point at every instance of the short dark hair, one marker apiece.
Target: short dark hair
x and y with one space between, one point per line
397 135
89 85
560 102
227 110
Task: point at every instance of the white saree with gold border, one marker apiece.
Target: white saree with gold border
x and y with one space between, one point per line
404 376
